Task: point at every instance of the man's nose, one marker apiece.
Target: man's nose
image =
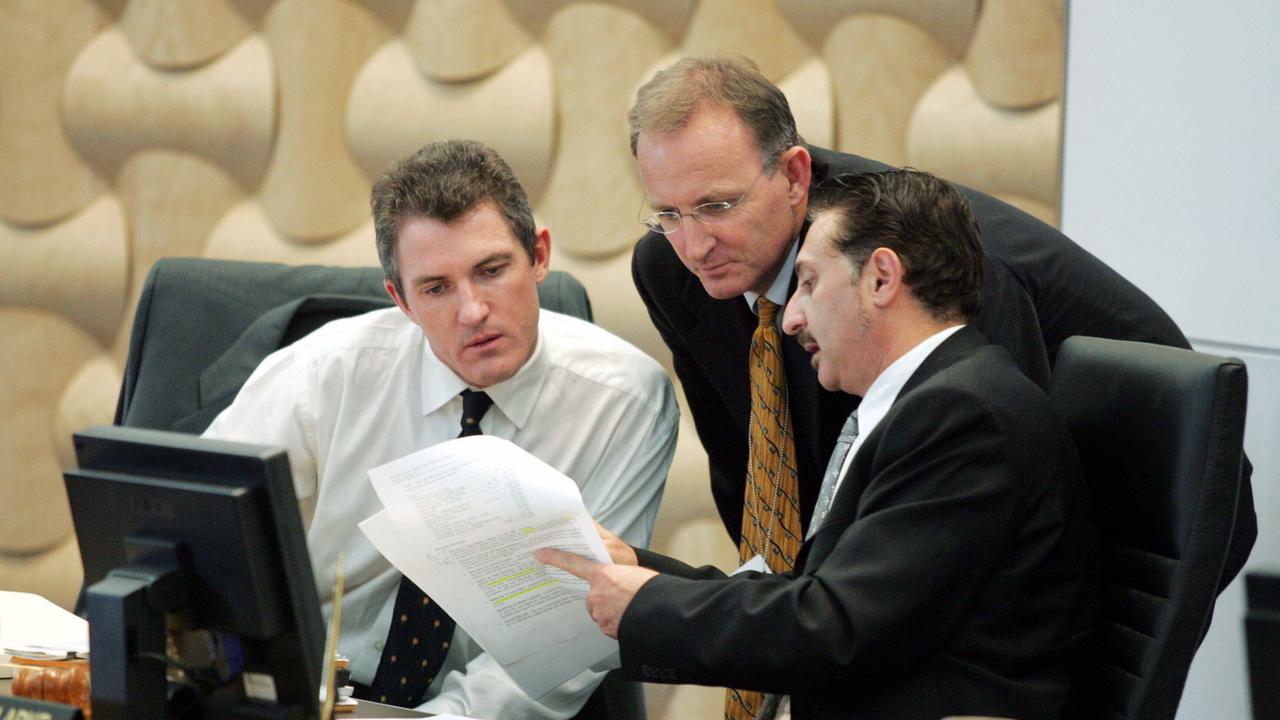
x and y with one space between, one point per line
698 238
473 305
792 317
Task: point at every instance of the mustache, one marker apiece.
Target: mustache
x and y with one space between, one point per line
804 338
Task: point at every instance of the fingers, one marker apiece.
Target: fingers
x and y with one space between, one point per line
573 564
619 551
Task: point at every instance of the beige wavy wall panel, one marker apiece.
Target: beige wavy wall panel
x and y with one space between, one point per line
808 91
1016 58
77 269
393 110
593 193
246 232
669 17
53 573
313 189
950 22
41 353
115 106
754 28
181 34
957 135
42 180
461 40
884 64
173 201
89 398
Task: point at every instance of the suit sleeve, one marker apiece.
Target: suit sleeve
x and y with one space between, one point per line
926 533
653 266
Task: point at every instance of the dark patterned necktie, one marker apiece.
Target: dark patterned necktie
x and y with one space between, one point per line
771 504
418 639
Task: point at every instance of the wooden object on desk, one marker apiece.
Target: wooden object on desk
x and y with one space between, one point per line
57 681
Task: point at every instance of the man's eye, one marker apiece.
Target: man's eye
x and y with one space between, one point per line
433 290
493 270
713 209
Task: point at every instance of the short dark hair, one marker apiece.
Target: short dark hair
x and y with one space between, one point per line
921 218
445 181
672 96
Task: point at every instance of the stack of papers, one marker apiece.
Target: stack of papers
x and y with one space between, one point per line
462 520
32 627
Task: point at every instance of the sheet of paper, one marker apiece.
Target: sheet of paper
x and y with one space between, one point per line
462 520
33 627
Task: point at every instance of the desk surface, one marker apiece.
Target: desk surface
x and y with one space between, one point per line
367 709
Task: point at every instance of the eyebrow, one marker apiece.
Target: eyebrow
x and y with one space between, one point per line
503 255
725 195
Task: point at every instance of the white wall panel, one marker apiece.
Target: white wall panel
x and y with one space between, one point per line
1171 164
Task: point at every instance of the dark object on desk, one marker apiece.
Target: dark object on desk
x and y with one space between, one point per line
16 706
209 531
202 326
1262 639
1159 432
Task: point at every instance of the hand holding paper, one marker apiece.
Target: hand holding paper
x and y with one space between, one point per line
462 520
612 586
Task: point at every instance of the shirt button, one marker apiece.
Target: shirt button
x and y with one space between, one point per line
378 645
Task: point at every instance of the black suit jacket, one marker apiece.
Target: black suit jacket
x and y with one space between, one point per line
1039 288
953 575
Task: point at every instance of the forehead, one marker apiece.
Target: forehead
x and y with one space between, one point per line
427 243
818 249
715 150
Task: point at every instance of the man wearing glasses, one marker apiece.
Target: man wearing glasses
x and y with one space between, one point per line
727 178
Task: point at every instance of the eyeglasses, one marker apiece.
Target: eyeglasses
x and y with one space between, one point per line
708 213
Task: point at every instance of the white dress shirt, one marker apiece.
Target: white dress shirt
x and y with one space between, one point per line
884 390
365 390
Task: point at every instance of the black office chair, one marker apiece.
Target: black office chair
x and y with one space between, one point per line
1159 432
202 326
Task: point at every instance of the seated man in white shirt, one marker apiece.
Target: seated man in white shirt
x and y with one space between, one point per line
462 258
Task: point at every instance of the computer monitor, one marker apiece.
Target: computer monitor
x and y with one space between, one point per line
198 585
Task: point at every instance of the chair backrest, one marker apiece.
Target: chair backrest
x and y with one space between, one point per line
1159 431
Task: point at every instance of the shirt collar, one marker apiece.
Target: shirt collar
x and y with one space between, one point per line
514 396
781 284
885 388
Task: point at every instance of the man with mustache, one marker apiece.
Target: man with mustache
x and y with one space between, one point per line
727 178
949 566
466 350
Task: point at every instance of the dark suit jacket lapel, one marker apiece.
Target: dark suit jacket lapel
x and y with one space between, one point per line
844 505
721 340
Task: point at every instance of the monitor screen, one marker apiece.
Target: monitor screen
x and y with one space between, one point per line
198 584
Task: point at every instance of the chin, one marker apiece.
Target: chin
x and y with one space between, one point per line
828 384
490 374
722 290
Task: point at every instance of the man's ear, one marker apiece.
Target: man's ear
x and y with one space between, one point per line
395 297
797 167
884 272
541 254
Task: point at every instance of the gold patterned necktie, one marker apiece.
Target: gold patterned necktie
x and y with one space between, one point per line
771 504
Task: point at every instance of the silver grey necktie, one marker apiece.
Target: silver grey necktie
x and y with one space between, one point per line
844 441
